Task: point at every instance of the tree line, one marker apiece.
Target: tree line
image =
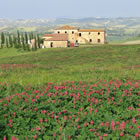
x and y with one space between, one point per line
25 41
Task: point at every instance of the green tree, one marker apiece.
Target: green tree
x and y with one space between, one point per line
2 38
10 41
7 43
38 41
26 38
18 37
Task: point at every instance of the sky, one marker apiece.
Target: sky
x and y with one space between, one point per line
32 9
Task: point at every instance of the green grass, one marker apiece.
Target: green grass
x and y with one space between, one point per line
71 64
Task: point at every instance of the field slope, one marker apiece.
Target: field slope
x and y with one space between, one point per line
70 64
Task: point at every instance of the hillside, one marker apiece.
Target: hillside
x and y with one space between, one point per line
117 29
70 64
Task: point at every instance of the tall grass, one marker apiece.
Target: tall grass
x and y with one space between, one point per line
71 64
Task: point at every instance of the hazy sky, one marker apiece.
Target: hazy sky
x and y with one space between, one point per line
30 9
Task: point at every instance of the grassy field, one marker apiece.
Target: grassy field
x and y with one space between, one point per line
70 64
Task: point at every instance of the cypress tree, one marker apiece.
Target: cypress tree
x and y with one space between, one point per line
7 43
10 41
2 38
14 41
38 41
18 37
23 42
26 38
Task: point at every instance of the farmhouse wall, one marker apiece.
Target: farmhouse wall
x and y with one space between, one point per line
56 44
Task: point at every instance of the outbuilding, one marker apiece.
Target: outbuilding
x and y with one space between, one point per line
56 41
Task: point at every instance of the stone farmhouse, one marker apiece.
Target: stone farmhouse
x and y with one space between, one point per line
65 35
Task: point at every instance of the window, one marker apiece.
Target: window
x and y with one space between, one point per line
65 32
89 33
80 34
90 40
98 33
72 32
58 32
99 40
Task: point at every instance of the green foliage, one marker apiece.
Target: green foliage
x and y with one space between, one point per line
76 110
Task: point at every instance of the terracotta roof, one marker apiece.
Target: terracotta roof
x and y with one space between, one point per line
66 27
48 35
58 37
91 30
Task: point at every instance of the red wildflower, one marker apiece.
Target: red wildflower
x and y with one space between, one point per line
91 122
46 120
37 128
35 136
101 124
10 121
105 135
122 134
54 134
122 125
78 126
100 137
107 124
85 124
5 104
136 135
133 120
41 120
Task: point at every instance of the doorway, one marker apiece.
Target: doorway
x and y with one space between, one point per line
51 44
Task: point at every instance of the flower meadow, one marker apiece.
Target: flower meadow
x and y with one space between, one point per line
72 110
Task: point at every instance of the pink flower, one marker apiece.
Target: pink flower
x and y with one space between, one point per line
35 109
96 110
91 122
56 117
78 119
69 137
136 135
117 123
13 138
54 134
90 130
37 128
78 126
44 111
100 138
85 124
10 121
107 124
25 100
122 134
134 120
105 135
46 120
136 85
113 125
65 117
4 138
122 125
101 124
41 120
35 136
